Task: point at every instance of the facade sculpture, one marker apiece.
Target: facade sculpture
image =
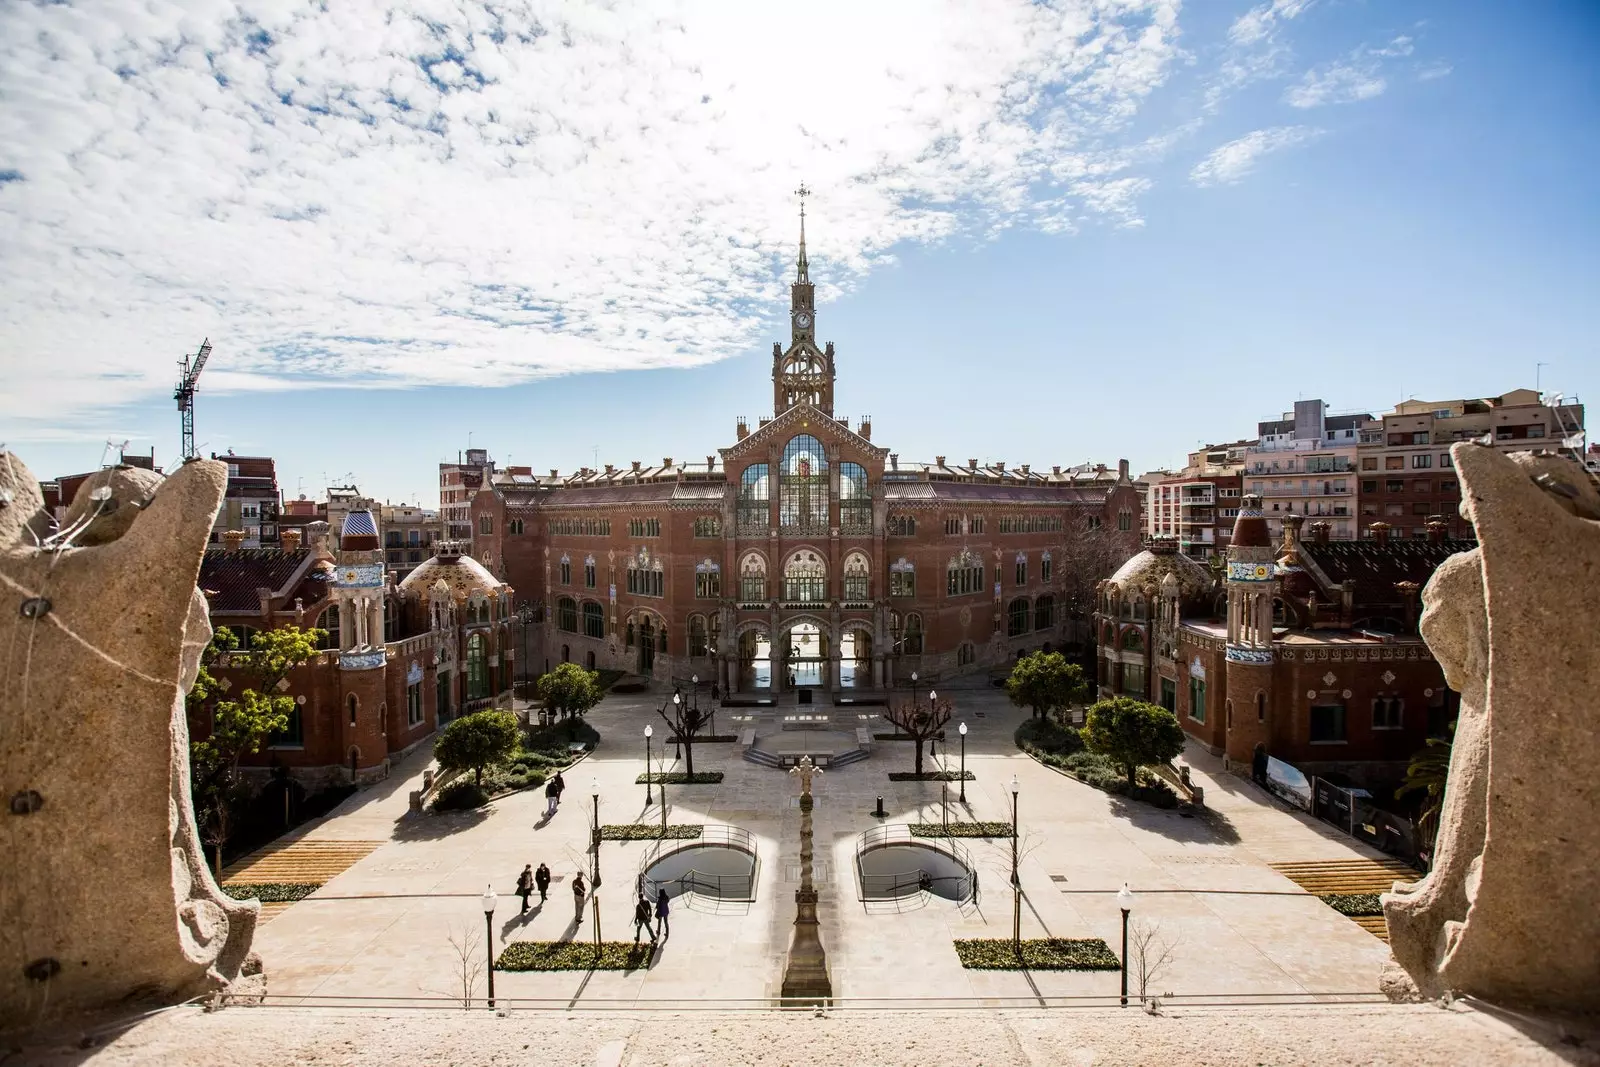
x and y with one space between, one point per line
105 638
1507 913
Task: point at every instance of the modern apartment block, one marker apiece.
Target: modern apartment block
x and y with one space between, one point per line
252 501
458 483
409 532
1405 474
1197 505
1305 464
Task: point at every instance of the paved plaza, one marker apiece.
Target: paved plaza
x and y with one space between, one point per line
382 929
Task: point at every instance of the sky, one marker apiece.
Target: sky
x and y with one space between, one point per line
1042 232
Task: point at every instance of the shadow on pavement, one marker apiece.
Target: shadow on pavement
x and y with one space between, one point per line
414 827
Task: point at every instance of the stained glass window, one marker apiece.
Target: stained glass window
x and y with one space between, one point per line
755 491
803 487
855 502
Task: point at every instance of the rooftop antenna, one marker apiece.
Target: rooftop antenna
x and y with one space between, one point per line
1538 373
110 444
184 395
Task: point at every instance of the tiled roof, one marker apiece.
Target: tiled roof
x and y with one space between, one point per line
646 493
1375 568
230 579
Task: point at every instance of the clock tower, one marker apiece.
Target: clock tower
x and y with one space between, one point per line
803 372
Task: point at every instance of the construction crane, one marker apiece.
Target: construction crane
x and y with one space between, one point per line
184 394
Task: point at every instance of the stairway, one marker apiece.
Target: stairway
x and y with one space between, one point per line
300 862
766 759
844 759
1350 876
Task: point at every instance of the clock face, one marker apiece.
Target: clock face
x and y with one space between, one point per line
803 320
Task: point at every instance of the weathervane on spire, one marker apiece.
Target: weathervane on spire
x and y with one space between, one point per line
802 193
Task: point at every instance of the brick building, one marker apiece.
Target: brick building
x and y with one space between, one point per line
459 482
804 555
251 503
1309 647
1406 476
398 659
1198 504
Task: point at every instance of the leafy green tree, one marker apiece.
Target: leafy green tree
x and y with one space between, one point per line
1133 734
1427 774
1046 682
569 689
476 741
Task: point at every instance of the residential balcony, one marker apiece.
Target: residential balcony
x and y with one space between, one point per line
1315 490
1197 497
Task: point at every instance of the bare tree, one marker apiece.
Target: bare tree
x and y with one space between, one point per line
469 962
1088 555
919 721
1150 954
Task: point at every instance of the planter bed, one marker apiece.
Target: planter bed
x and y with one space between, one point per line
574 956
709 739
679 778
930 776
961 829
1041 954
649 831
272 892
1355 905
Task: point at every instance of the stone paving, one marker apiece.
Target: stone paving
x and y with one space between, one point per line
382 929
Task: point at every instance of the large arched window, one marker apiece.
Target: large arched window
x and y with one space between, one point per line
1133 640
594 620
753 579
902 578
1044 613
1018 617
856 577
855 502
477 667
755 493
567 615
912 635
803 488
330 623
805 579
708 579
963 575
697 635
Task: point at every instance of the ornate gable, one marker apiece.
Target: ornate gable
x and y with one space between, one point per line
802 418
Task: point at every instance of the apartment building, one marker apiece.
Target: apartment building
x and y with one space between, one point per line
1405 474
1305 464
409 532
459 482
1197 505
251 503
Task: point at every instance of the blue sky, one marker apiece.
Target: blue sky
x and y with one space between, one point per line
1042 236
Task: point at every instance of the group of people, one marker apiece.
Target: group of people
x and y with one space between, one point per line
552 794
649 919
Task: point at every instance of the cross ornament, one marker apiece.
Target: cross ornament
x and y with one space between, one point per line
806 771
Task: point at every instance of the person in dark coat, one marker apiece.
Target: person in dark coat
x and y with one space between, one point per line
578 891
541 881
552 796
525 886
1258 765
641 920
561 787
663 908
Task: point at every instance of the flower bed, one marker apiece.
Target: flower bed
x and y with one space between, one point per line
1355 905
1042 954
930 776
679 778
574 956
272 892
649 831
708 739
961 829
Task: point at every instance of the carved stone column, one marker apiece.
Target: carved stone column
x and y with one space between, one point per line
805 980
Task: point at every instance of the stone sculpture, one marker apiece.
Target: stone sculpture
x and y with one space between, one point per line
805 980
106 901
1507 913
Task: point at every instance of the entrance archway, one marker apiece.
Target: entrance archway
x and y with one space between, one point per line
807 662
647 646
755 660
855 659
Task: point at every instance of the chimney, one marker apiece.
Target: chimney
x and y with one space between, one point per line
972 463
1291 532
1056 469
866 428
1025 469
1319 532
1000 465
1122 470
894 461
711 463
938 461
610 469
231 540
1408 594
555 472
1347 601
1380 532
1438 529
742 428
666 461
290 536
635 467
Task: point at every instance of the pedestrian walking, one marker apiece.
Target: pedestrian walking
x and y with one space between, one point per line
552 796
641 920
541 880
578 891
525 886
1258 764
561 787
662 909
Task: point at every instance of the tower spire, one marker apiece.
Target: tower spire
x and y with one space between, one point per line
801 273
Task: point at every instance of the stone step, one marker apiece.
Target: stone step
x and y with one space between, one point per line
300 861
844 759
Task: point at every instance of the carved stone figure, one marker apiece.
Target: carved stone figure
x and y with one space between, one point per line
1507 913
106 900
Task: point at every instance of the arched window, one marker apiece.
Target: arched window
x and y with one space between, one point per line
856 577
1046 567
902 578
330 623
246 636
628 632
805 579
964 575
753 579
353 704
966 655
566 569
697 635
1133 640
1108 636
485 524
913 635
594 620
1017 617
755 494
1044 613
567 615
708 579
855 502
477 667
803 488
714 634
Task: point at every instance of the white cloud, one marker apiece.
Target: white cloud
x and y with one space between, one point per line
1261 22
1256 50
1234 160
1434 70
483 193
1359 77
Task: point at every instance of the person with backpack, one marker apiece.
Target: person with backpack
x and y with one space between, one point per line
561 787
552 796
525 887
578 891
662 908
541 880
641 920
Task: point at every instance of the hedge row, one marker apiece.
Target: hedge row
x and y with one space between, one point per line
272 892
961 829
930 776
1353 904
649 831
573 956
679 778
1043 954
1100 773
708 739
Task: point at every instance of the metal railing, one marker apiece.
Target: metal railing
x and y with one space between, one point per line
903 883
713 835
722 886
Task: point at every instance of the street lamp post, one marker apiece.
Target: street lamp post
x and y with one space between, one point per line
933 739
677 718
649 731
962 730
488 926
1016 881
944 806
1125 902
913 688
594 877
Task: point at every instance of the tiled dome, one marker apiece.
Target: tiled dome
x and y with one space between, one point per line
1149 568
463 574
